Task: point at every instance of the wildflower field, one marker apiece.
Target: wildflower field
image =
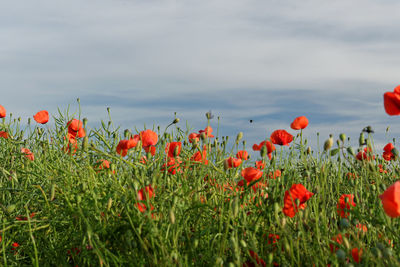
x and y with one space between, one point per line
75 196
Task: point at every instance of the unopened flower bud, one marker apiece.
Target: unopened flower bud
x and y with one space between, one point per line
127 133
176 121
395 152
361 139
239 137
109 203
328 143
342 137
203 136
176 151
263 151
84 120
172 217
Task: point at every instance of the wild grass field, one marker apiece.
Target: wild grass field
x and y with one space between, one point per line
76 196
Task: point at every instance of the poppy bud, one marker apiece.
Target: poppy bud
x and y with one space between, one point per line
243 243
209 115
341 255
308 150
361 139
195 243
29 121
172 216
127 134
328 143
219 261
109 203
239 137
10 208
344 223
84 120
85 143
270 259
175 121
377 252
350 150
53 192
39 131
334 151
177 150
263 151
226 164
395 152
203 136
342 137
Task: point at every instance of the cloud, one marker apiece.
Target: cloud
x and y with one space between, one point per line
269 61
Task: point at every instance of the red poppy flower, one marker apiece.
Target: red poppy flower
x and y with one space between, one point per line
268 144
299 123
297 191
337 239
391 101
251 174
144 193
72 145
391 200
233 162
272 238
3 112
142 207
132 142
14 245
260 165
365 154
281 137
151 149
387 152
200 157
27 153
344 205
173 165
24 218
208 130
75 128
275 174
255 260
149 138
194 137
356 254
41 117
361 227
122 148
173 149
4 134
104 164
242 154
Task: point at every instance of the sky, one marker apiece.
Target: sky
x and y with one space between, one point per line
267 61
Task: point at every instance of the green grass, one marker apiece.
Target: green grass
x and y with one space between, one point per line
84 216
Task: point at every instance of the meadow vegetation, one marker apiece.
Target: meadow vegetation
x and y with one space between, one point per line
75 196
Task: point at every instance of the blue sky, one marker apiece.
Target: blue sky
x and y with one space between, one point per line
269 61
